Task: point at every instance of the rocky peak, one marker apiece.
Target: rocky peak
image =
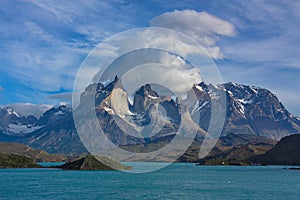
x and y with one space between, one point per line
54 114
13 123
116 83
259 110
143 98
10 111
201 87
255 102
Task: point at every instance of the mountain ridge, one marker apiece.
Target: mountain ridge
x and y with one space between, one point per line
250 110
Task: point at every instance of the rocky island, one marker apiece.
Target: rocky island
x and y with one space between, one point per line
91 163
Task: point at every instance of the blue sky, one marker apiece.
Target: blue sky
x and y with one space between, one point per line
44 42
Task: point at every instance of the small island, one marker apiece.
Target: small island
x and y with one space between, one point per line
92 163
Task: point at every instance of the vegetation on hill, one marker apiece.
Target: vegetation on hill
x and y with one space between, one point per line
25 150
16 161
235 149
285 152
91 163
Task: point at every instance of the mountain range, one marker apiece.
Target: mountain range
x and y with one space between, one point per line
249 111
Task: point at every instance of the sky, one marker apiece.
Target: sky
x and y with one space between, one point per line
43 43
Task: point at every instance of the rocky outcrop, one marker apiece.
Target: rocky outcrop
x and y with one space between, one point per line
92 163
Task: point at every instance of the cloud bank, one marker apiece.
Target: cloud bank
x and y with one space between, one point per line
43 42
205 28
26 109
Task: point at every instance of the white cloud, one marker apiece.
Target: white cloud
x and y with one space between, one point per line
43 46
178 80
268 33
37 58
157 55
26 109
66 96
203 27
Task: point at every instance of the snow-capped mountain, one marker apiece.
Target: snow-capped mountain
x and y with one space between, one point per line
13 123
118 117
250 110
20 119
254 110
27 109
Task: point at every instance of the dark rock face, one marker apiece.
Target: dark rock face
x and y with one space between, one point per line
87 163
53 115
257 111
285 152
250 110
172 110
143 98
91 163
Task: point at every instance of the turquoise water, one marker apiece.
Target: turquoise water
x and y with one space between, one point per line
177 181
50 164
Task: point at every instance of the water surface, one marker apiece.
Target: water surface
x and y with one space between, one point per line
177 181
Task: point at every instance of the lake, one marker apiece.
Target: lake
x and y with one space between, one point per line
177 181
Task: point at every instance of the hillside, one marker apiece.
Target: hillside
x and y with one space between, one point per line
232 147
25 150
16 161
285 152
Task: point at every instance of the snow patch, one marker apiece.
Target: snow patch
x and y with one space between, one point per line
109 110
41 136
229 92
59 113
199 88
245 101
151 97
253 89
10 111
232 83
22 129
242 109
214 95
197 107
239 107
